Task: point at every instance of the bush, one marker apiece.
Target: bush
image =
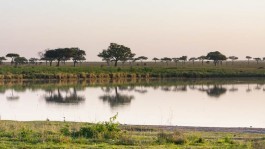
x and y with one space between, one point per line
176 138
106 130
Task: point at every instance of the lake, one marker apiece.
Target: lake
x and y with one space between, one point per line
210 103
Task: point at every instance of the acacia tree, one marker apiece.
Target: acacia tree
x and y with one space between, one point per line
59 55
33 60
129 58
20 60
106 57
257 59
141 58
176 60
233 58
12 56
155 59
202 58
166 59
183 59
216 57
116 52
62 54
49 55
2 59
248 57
78 55
193 59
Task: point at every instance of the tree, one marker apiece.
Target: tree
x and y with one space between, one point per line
166 59
129 58
257 59
78 55
216 57
2 59
105 57
33 60
176 60
193 59
60 54
141 58
233 58
116 52
248 57
49 55
20 60
12 56
202 58
155 59
183 59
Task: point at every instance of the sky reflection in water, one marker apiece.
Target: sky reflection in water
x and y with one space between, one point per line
214 105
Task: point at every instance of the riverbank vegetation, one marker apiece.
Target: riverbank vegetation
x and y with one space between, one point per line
149 70
111 134
121 62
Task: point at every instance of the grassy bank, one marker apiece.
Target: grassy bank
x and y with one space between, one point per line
150 71
112 135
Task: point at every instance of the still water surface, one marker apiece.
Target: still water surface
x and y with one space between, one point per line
214 104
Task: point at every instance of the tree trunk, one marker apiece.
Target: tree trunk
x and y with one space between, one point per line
116 62
50 63
58 63
74 63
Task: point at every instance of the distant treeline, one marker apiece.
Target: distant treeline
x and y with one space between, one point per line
114 53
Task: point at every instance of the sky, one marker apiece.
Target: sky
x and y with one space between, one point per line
152 28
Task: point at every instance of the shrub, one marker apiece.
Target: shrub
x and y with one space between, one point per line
176 138
106 130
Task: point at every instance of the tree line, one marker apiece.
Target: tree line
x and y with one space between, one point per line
114 53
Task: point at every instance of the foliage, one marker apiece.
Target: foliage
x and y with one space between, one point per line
116 52
78 55
33 60
101 130
257 59
2 59
64 54
176 138
20 60
75 135
166 59
155 59
12 56
216 57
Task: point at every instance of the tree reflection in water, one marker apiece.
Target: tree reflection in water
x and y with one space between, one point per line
63 96
215 91
117 99
233 89
12 97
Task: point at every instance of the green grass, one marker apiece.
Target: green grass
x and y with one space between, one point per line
150 70
110 135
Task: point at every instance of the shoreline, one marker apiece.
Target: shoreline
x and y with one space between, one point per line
170 128
55 134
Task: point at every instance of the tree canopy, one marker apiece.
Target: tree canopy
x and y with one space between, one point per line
216 57
12 56
20 60
116 52
2 59
63 54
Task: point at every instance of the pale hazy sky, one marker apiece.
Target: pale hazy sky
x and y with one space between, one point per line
154 28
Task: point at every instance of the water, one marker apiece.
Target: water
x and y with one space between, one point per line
214 103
